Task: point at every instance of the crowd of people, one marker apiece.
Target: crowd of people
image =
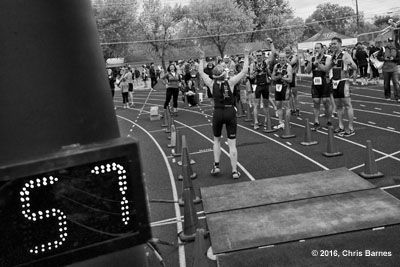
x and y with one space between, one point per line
267 79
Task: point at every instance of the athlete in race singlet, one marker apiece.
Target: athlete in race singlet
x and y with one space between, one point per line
293 60
320 88
340 84
282 75
262 79
224 109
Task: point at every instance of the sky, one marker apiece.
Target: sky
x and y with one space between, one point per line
304 8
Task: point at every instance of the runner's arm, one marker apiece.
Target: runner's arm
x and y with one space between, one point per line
235 79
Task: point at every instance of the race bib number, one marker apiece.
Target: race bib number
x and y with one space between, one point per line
254 86
279 87
335 84
317 80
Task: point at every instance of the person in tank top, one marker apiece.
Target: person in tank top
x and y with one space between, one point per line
222 90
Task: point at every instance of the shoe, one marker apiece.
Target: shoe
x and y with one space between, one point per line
329 123
334 114
338 130
398 100
215 170
235 175
297 112
256 127
348 133
279 126
316 127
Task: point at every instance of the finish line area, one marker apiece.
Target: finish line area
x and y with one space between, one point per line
290 201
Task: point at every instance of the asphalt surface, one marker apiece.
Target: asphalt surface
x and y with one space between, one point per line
260 155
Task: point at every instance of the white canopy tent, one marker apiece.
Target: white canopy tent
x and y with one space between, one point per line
324 36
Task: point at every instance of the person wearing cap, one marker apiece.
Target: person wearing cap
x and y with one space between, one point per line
224 109
391 57
282 76
340 86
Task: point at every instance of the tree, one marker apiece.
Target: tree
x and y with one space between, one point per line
115 22
335 17
270 15
158 26
382 21
221 21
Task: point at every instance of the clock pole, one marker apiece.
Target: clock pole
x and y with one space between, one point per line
54 88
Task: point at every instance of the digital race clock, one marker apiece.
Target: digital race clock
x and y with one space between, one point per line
77 204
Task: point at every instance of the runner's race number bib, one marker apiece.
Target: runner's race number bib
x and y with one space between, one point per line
279 87
335 84
317 81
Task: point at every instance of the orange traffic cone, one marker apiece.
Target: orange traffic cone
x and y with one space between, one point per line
165 115
187 184
184 145
331 152
199 253
240 112
286 132
177 151
307 136
370 168
268 128
248 113
170 122
172 137
190 220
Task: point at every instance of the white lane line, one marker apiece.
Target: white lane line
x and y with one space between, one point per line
379 159
371 122
376 108
269 138
223 150
391 128
361 105
181 251
396 112
288 143
365 124
390 187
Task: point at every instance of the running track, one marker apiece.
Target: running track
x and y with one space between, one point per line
261 155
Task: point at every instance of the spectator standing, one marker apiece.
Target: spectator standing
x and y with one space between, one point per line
362 63
391 57
137 76
374 72
128 77
173 82
144 75
153 76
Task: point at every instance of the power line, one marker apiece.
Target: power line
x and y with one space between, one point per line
231 34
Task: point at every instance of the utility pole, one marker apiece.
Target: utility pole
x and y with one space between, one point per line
358 19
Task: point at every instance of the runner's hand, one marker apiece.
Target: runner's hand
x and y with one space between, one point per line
247 49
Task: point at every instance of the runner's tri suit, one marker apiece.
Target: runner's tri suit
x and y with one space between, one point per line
262 80
340 75
282 88
224 110
320 87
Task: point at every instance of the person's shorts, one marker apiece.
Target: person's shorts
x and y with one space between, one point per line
320 88
340 89
225 116
130 87
262 90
